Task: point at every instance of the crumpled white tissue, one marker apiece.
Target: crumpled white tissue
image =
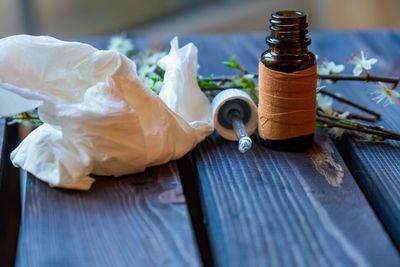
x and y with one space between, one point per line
98 118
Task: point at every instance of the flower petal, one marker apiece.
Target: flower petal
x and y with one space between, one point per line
372 61
338 68
357 70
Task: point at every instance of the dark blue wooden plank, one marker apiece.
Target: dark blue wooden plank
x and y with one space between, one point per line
138 220
375 167
2 144
102 42
268 208
213 49
9 195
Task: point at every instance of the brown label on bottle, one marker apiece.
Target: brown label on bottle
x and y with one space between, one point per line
287 103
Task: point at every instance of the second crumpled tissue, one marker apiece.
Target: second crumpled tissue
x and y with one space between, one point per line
98 118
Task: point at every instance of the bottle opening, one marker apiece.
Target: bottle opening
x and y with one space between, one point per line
288 14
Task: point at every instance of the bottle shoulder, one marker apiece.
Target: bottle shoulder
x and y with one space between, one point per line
288 62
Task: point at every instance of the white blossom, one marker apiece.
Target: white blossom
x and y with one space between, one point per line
337 132
154 58
385 95
329 68
146 71
154 85
362 63
248 76
325 103
121 44
147 82
344 115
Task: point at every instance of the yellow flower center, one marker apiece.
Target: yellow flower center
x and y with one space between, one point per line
388 92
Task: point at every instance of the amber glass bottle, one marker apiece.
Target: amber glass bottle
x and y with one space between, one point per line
288 53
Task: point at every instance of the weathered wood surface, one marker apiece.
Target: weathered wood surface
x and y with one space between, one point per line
375 167
2 144
263 208
268 208
140 220
9 196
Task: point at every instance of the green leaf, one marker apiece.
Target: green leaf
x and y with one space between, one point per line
320 125
348 122
207 84
156 79
375 139
232 63
246 83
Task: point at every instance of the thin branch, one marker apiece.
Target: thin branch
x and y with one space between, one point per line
219 88
366 78
330 124
332 121
223 79
26 118
357 116
351 103
361 117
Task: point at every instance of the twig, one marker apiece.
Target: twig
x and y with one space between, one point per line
332 121
351 103
218 88
329 123
356 116
366 78
361 117
334 78
223 79
26 118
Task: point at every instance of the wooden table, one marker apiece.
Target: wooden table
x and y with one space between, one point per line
335 204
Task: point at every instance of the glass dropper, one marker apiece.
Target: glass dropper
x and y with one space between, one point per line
245 142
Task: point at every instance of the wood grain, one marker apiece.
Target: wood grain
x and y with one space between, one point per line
139 220
263 208
375 167
9 196
268 208
2 145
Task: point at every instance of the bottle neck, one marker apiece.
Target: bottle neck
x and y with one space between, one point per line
288 33
288 50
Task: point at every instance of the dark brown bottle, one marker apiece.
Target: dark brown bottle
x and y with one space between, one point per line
288 52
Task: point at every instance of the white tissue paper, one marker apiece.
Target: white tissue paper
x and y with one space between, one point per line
98 118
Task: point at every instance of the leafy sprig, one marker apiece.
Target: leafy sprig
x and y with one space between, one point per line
243 80
28 118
